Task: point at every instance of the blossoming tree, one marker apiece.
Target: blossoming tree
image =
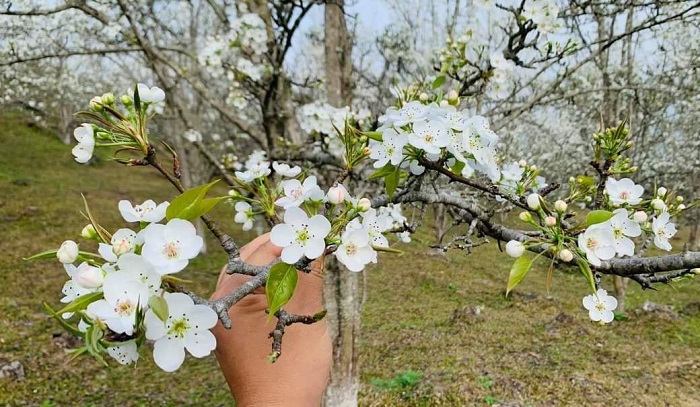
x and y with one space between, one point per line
440 141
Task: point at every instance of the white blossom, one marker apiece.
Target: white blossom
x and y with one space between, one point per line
146 212
170 247
86 143
285 170
150 95
296 192
663 231
186 327
244 215
126 353
123 241
300 235
600 306
623 228
429 136
624 191
355 250
123 299
390 149
597 242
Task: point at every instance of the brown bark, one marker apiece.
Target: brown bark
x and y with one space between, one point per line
341 291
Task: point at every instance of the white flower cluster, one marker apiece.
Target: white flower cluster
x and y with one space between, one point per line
605 240
358 228
256 166
432 128
519 177
499 84
320 117
86 134
543 13
241 48
130 280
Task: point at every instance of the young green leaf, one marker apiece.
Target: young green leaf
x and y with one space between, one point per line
374 135
49 254
391 182
68 327
520 268
383 172
159 307
587 273
598 216
81 302
137 99
438 81
280 286
187 205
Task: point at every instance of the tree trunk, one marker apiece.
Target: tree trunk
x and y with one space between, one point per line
341 294
341 291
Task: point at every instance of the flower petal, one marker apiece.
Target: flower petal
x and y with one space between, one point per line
169 353
200 342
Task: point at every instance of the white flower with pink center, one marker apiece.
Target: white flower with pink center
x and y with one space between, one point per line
124 298
146 212
123 241
598 242
355 250
624 191
295 192
170 247
300 235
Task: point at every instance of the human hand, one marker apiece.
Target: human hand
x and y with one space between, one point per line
299 377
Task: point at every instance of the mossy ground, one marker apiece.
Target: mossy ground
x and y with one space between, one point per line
436 330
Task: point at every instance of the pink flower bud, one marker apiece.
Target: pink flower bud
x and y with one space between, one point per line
336 195
550 221
364 205
566 255
68 252
89 276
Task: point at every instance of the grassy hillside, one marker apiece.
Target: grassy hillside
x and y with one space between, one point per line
436 331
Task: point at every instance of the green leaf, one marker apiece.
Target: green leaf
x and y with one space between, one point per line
586 270
391 182
137 99
374 135
187 205
159 307
458 167
320 315
68 327
438 81
387 249
101 232
383 172
43 255
171 279
81 303
280 286
520 268
598 216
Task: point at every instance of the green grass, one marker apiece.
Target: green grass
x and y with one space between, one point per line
422 344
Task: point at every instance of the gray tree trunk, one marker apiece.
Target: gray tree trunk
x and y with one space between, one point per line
341 291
